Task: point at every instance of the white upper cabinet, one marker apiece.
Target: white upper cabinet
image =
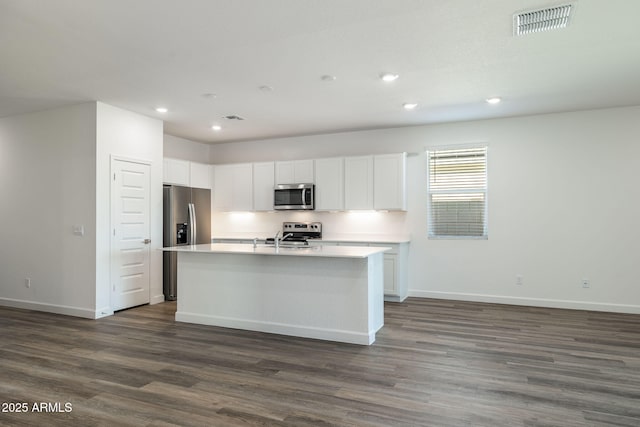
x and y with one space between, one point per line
233 187
342 183
329 180
200 175
389 182
263 183
184 172
358 183
177 172
295 172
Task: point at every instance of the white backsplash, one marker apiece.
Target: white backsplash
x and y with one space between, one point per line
226 224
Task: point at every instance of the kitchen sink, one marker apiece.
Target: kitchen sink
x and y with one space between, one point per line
287 245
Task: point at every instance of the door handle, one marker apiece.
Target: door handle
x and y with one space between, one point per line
146 241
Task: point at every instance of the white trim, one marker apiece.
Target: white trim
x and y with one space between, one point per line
278 328
533 302
113 158
129 159
157 299
66 310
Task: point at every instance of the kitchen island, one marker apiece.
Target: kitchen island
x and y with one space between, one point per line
325 292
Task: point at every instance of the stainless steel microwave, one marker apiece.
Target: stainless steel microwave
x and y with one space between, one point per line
294 197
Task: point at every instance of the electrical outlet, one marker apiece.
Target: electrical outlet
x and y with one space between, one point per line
586 283
27 282
519 280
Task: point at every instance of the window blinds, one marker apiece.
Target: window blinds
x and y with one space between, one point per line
458 192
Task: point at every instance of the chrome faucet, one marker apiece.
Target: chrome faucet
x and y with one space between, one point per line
277 239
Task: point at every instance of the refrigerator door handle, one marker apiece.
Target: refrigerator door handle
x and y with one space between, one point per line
192 224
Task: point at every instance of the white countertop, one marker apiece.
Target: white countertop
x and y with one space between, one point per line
327 237
327 251
366 238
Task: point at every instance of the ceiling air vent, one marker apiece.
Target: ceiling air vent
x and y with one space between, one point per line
233 117
535 21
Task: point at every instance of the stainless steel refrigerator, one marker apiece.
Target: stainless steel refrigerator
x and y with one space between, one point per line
187 221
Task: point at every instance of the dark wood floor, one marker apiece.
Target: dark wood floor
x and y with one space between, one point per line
435 363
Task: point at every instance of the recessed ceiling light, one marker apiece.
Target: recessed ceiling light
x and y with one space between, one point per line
327 78
409 105
494 100
388 77
216 127
161 110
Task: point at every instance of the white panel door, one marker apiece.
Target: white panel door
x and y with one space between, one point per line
130 231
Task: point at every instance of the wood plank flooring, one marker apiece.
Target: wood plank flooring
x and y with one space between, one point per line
435 363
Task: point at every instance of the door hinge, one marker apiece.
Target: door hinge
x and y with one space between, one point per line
114 176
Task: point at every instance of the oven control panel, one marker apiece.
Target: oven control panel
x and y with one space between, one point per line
311 230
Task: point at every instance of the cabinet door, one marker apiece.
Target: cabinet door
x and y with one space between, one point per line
390 287
389 182
200 175
285 173
263 182
294 172
233 187
222 189
303 171
242 187
329 179
176 172
358 183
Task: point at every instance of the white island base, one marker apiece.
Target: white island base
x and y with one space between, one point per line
318 293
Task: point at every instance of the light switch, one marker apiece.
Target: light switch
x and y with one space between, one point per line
78 230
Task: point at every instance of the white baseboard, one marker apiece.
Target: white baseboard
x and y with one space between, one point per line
157 299
279 328
533 302
51 308
103 312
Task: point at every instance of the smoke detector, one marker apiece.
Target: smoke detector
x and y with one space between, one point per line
535 21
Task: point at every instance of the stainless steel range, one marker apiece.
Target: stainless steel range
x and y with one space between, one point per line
296 234
302 230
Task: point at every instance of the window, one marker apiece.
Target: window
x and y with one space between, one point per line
457 206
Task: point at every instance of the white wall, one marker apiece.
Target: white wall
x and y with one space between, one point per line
54 174
47 185
184 149
126 135
562 200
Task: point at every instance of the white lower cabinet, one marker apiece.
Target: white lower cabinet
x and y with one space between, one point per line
396 263
390 282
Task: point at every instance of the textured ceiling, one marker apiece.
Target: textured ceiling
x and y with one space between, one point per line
450 56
